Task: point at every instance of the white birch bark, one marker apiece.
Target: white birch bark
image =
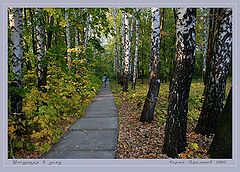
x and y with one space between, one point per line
87 30
15 16
130 38
127 44
135 61
116 70
76 35
123 41
205 38
154 85
16 39
175 131
69 60
40 44
218 61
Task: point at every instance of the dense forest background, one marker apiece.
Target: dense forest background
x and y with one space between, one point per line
172 67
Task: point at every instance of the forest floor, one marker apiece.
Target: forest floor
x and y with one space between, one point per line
145 140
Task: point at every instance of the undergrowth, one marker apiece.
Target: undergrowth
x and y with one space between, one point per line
48 115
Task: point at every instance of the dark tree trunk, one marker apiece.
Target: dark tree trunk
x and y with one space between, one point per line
31 15
50 33
56 34
25 16
175 16
25 27
221 146
217 69
211 36
175 131
162 42
154 85
172 62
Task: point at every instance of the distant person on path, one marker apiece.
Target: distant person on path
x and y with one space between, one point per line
104 80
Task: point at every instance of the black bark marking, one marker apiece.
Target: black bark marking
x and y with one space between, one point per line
219 55
175 132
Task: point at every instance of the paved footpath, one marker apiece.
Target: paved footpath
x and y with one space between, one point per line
93 136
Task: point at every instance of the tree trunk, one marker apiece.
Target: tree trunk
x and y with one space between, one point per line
50 33
119 50
221 147
154 85
116 65
57 34
130 40
135 62
77 42
15 17
42 62
162 43
219 60
25 26
76 34
162 22
142 64
172 62
143 55
68 36
87 30
122 50
205 40
126 48
81 29
176 125
211 36
31 15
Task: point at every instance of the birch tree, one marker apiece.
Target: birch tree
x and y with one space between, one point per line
221 147
219 58
15 17
135 61
176 125
76 14
205 39
154 85
120 81
68 36
131 32
40 43
87 28
116 65
127 44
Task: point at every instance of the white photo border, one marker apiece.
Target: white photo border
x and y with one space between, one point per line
117 4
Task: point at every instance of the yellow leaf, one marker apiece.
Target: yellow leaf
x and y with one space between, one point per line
11 129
